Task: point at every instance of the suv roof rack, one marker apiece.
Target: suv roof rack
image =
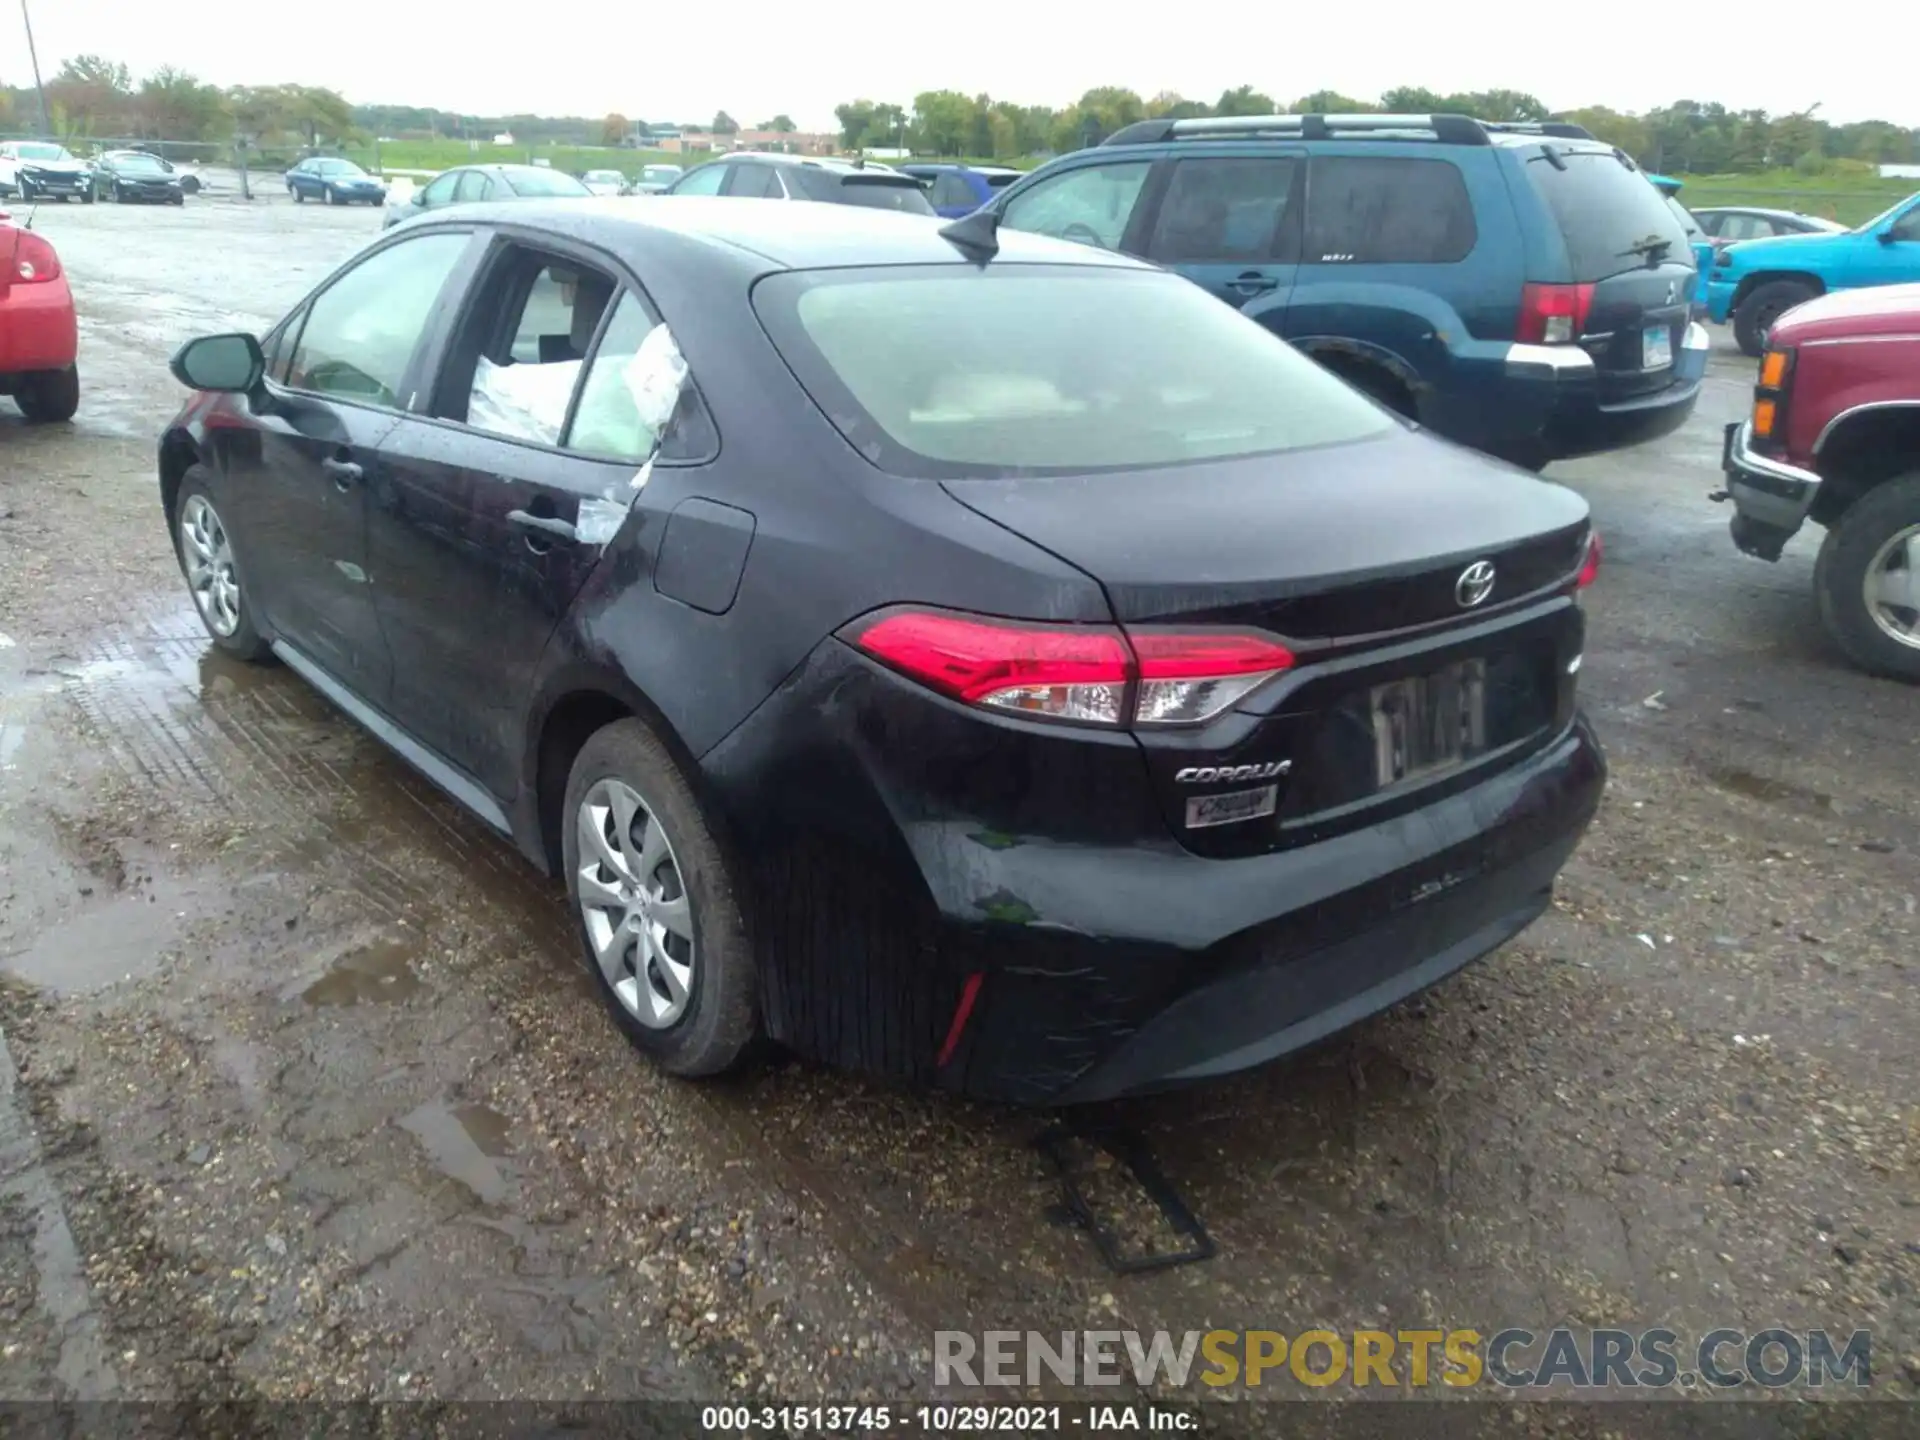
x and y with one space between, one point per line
1442 129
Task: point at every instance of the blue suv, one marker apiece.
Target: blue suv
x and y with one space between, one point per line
1518 288
957 190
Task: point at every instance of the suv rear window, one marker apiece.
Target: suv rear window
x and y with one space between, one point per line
1605 209
1047 368
885 192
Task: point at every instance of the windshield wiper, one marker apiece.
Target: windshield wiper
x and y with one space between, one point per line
1653 247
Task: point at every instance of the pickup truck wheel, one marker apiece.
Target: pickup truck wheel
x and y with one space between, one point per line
1868 580
1766 304
49 397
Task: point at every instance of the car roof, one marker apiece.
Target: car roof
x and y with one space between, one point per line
792 237
1756 210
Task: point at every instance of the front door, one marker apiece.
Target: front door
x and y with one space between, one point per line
1890 255
495 504
299 491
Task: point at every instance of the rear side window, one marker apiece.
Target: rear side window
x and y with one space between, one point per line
1606 211
1047 369
1376 210
950 190
1223 211
754 182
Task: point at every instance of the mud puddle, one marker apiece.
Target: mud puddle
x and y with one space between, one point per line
121 939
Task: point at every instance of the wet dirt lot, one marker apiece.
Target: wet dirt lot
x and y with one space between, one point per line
301 1092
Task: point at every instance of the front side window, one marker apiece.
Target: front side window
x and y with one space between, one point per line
1907 227
362 330
704 181
1091 204
1047 369
1223 211
1375 210
440 192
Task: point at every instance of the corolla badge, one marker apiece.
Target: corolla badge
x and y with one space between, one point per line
1474 585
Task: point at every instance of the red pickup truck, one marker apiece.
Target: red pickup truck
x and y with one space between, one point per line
38 335
1834 437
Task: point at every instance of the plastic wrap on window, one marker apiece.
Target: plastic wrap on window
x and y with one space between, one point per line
527 402
654 376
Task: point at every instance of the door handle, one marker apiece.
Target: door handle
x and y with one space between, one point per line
552 524
1252 283
344 472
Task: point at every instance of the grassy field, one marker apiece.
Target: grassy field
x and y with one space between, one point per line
445 154
1845 197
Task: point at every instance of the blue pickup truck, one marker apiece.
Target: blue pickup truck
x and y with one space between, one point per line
1755 282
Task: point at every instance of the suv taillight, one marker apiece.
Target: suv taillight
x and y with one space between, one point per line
1090 674
33 259
1553 314
1768 423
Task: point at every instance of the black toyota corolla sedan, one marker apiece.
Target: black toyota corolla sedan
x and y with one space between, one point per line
984 660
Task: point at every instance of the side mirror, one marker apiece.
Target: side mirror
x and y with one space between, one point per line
232 364
419 200
1888 236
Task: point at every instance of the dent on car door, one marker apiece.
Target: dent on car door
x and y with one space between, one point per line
298 475
496 503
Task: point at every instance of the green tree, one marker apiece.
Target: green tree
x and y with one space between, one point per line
1244 100
1497 105
942 121
1413 100
1330 102
781 125
1169 106
856 119
889 125
173 105
724 124
95 95
614 128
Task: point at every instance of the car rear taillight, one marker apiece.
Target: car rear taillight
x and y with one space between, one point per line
1590 567
1553 314
33 259
1090 674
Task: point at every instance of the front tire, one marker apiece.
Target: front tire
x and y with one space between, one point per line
1868 580
49 397
299 195
1763 307
214 577
656 904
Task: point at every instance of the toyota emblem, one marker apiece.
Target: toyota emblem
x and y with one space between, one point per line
1474 585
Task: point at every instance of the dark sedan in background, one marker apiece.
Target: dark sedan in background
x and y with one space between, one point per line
336 181
1101 698
479 184
128 176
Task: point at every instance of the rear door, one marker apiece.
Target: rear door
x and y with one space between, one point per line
748 181
1230 222
497 498
1622 240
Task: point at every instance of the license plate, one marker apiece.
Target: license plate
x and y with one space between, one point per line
1231 808
1430 723
1656 348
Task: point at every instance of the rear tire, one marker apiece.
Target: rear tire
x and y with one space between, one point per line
1762 308
49 397
1852 558
715 1025
193 506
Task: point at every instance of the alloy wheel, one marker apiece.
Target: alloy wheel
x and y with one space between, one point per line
634 903
210 570
1892 587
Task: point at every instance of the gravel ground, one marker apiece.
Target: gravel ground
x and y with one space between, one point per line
302 1066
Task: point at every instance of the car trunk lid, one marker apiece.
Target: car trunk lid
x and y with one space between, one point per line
1409 578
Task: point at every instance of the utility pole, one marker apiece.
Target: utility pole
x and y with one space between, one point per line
46 124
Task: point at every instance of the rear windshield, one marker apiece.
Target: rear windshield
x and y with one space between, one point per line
1607 211
1047 369
889 193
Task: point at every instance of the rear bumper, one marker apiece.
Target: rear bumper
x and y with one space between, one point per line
1771 496
1555 410
37 327
999 908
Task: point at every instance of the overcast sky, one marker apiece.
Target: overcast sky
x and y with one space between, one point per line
754 58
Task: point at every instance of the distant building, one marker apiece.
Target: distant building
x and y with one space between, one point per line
1900 172
505 137
695 142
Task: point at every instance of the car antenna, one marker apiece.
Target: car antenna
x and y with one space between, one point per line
976 236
